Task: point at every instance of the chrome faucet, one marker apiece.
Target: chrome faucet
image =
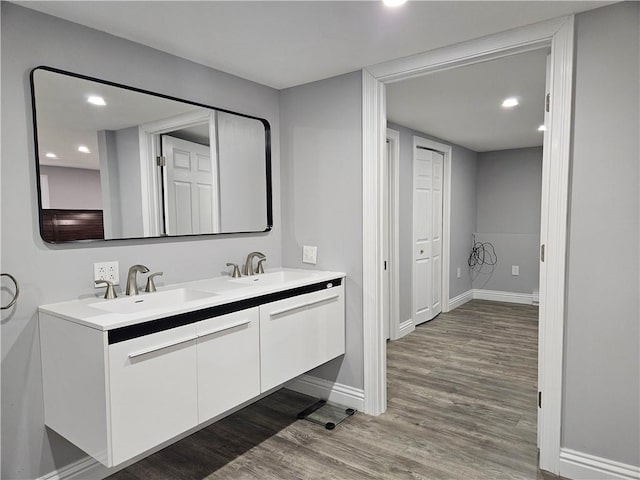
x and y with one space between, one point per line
248 266
132 284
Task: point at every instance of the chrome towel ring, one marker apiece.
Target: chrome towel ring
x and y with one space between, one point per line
15 295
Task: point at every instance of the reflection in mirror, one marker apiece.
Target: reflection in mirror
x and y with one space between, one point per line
116 162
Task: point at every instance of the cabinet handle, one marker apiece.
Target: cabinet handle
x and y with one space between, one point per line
162 347
225 327
302 305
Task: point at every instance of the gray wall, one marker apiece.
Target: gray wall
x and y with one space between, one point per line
509 193
110 185
602 355
241 166
321 126
121 180
127 156
463 215
73 188
30 39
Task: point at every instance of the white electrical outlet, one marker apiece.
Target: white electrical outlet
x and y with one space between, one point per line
309 254
515 270
107 271
459 274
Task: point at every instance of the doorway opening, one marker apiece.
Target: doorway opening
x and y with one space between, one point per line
558 35
496 191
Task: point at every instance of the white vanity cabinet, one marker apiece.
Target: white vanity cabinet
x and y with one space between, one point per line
300 333
117 385
153 390
228 352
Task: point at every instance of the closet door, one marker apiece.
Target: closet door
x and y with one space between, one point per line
427 233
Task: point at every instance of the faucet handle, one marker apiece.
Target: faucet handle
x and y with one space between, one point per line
110 292
260 267
236 270
151 286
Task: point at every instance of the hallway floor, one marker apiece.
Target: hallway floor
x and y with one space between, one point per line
461 405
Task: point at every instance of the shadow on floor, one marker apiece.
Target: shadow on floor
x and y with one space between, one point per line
202 453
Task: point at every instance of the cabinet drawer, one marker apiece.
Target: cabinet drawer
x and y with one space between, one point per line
153 390
300 333
228 362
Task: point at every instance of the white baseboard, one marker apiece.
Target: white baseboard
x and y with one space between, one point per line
508 297
406 327
461 299
493 295
582 466
327 390
535 298
87 468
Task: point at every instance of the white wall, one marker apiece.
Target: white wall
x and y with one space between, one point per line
73 188
50 274
602 341
463 215
508 200
321 125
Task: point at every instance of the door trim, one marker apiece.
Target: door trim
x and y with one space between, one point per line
150 181
558 34
393 136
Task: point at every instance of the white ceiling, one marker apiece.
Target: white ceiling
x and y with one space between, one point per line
65 119
282 44
463 105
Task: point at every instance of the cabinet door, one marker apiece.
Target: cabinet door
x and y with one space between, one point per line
300 333
153 390
228 362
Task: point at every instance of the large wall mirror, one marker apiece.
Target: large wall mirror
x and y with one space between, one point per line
117 162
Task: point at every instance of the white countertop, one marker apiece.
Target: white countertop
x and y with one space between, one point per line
214 291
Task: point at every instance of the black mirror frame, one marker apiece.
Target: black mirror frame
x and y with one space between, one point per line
267 129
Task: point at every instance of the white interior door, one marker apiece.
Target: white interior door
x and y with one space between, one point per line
427 233
190 199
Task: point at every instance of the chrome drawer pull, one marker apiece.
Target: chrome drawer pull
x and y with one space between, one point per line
302 305
225 327
162 347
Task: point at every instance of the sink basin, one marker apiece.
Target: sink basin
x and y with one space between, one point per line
272 278
149 301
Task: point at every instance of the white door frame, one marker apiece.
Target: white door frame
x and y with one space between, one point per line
150 190
558 34
396 330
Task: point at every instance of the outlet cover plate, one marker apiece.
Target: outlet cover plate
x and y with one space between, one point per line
515 270
309 254
106 271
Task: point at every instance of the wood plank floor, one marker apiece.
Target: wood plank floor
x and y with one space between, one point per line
461 405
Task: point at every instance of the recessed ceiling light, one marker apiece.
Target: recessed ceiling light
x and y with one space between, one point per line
542 128
510 102
96 100
84 149
394 3
50 155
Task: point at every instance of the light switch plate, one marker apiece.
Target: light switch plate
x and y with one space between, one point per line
309 254
458 273
515 270
106 271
